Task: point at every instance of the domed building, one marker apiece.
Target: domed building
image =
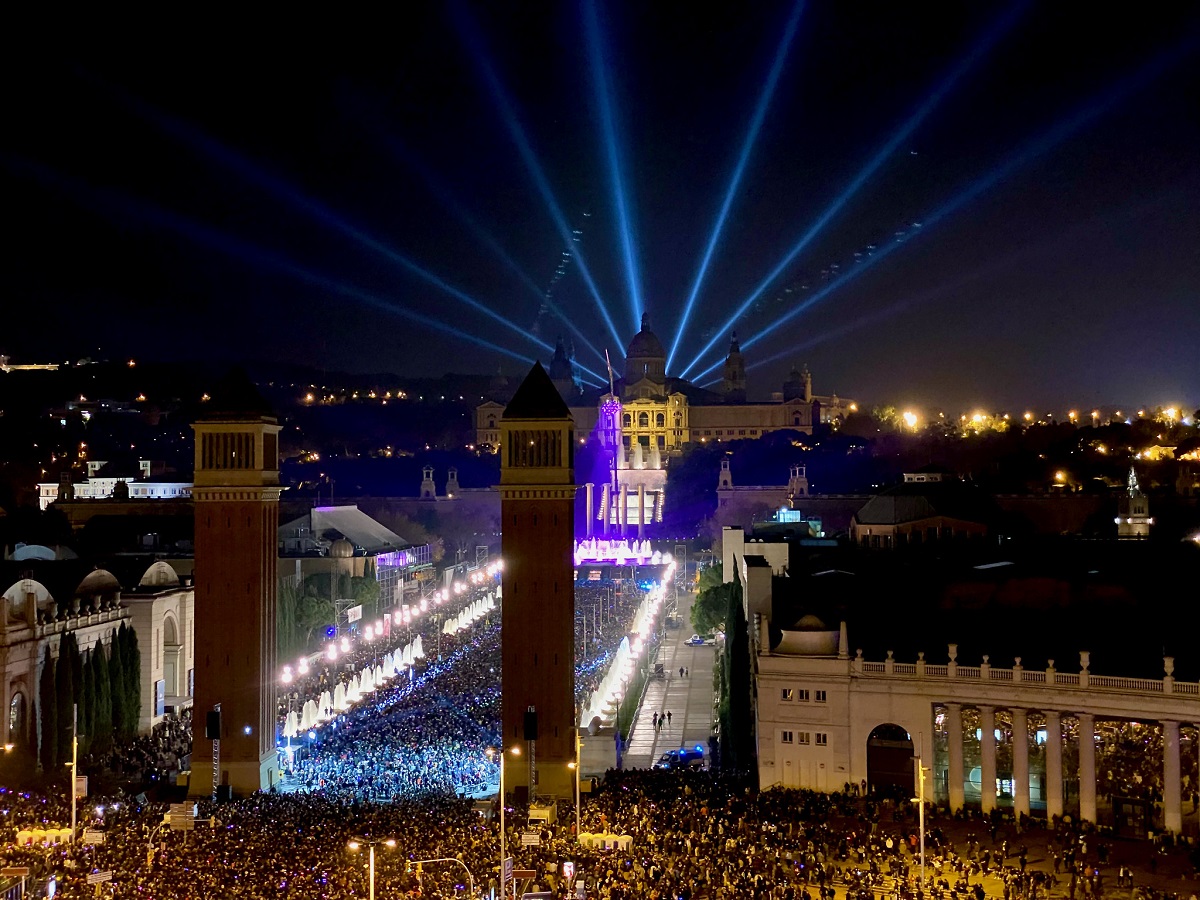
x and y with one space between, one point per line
661 413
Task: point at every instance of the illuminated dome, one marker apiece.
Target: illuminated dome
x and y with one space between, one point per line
341 549
645 356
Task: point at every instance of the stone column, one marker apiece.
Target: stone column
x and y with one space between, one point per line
591 488
987 758
1054 769
1087 766
623 511
954 742
1020 736
641 529
1172 801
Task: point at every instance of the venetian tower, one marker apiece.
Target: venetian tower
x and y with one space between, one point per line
236 496
537 506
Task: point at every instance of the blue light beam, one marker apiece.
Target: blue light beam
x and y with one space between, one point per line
444 195
760 113
324 215
236 248
981 48
508 116
602 84
1032 149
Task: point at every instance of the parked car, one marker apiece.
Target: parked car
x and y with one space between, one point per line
696 641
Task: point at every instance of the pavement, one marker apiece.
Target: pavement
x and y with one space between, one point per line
688 699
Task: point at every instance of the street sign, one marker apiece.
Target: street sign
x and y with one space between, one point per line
569 870
184 809
524 873
531 839
99 877
508 869
81 785
183 823
580 891
15 872
538 895
93 836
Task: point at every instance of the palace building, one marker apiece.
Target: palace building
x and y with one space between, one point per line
661 414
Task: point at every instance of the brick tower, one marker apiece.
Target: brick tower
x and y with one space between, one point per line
537 503
236 497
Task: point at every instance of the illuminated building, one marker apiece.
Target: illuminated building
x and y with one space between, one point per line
663 413
1133 511
537 501
236 497
993 728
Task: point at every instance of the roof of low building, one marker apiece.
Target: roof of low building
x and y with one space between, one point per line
912 501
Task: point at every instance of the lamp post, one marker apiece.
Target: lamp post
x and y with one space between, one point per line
920 801
356 843
515 751
576 766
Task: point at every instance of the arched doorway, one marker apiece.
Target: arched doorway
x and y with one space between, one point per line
890 759
17 714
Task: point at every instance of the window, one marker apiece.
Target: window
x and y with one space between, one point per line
741 431
822 739
821 697
787 695
754 431
803 696
660 420
643 420
802 737
785 737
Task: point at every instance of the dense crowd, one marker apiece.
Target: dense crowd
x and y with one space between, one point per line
402 765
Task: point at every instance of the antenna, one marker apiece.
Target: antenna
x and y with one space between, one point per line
608 362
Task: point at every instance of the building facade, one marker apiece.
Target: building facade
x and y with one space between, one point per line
665 413
825 717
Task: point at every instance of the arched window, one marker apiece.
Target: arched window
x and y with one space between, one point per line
660 420
608 423
796 420
643 420
491 422
16 718
626 420
678 420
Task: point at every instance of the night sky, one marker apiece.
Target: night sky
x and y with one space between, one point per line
238 189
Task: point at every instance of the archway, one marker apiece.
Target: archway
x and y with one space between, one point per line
17 714
890 759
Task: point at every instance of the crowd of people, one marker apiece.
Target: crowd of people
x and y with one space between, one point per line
405 764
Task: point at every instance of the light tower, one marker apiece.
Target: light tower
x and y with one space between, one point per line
236 496
537 503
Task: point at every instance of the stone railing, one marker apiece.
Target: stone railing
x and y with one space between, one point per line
1049 676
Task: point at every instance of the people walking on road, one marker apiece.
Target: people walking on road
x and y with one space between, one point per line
681 671
668 717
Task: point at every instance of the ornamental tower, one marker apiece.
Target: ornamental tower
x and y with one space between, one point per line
236 496
537 505
733 384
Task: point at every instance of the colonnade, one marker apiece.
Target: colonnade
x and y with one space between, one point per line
1172 801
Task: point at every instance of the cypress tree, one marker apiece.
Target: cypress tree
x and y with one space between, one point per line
87 702
76 659
133 679
48 715
64 697
116 682
102 719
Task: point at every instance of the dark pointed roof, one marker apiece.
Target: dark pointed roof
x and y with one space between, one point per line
734 347
537 398
235 398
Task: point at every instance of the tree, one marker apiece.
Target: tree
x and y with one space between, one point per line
365 591
737 724
131 662
48 714
710 608
102 717
64 698
116 682
87 702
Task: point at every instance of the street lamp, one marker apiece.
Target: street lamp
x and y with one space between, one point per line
515 751
920 801
577 765
356 843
